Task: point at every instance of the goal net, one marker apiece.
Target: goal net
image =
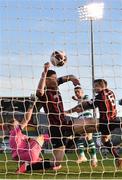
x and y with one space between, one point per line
30 32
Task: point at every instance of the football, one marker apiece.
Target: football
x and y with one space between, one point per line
58 58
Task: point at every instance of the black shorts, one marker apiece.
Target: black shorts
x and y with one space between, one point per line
106 128
59 134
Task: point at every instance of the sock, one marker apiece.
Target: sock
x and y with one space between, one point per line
111 149
39 165
80 147
92 148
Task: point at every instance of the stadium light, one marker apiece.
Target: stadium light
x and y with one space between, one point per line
91 12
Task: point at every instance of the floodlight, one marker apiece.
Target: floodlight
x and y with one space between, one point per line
91 11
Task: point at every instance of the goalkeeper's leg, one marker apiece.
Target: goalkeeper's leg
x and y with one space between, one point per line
42 165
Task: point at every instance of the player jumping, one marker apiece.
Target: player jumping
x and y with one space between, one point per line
51 100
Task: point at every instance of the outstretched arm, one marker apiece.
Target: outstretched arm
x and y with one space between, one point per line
71 78
42 82
27 117
80 107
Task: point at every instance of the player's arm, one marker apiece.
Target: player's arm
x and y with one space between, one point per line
28 114
85 105
42 82
68 78
27 118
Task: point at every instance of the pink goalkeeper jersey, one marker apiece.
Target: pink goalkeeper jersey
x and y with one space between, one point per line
17 140
24 148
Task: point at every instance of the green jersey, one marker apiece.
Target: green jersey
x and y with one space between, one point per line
87 113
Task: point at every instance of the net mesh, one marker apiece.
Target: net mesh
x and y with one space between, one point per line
30 32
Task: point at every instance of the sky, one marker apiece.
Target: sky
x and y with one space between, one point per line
30 30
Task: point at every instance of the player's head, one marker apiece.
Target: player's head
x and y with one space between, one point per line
99 85
79 92
51 79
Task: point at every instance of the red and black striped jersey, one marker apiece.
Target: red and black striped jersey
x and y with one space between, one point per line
53 106
105 101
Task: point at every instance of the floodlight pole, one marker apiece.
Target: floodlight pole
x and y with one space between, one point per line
92 62
91 12
92 56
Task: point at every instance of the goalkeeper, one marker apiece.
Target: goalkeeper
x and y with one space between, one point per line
25 149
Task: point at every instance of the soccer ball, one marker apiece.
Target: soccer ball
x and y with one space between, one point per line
58 58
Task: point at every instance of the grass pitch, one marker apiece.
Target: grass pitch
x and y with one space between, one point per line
70 169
